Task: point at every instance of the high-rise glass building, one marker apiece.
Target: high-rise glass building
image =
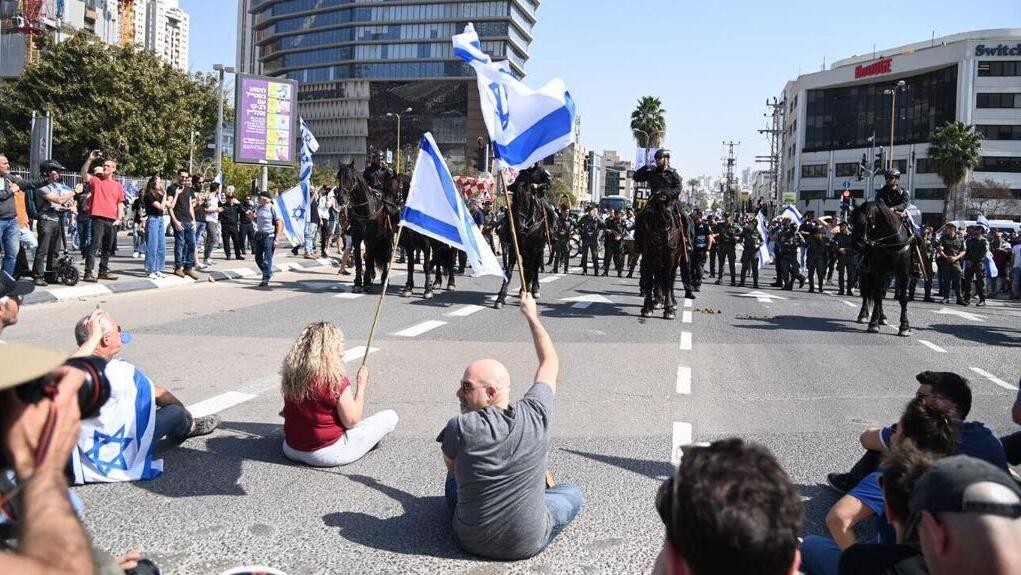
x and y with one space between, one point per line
358 60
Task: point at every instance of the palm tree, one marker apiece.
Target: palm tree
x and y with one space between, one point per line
954 149
648 123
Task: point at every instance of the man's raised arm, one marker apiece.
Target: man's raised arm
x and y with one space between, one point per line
549 362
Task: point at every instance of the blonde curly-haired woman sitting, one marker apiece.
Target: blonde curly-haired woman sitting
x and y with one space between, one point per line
323 423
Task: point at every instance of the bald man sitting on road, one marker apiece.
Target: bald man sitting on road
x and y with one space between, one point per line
496 457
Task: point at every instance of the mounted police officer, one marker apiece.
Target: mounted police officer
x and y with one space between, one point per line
538 181
701 246
891 194
728 234
665 190
751 241
378 174
976 246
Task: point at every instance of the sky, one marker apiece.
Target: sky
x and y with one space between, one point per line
713 64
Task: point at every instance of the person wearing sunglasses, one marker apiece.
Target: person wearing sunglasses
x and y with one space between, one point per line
729 508
497 488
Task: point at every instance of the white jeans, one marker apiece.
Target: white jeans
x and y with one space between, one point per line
352 446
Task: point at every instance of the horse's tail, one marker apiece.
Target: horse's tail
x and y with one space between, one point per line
383 252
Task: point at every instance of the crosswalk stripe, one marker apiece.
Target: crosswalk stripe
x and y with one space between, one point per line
218 403
993 379
465 311
549 279
419 329
932 346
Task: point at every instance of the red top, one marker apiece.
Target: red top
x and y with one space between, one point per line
107 194
314 424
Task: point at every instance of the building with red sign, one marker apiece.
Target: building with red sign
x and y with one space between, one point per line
833 117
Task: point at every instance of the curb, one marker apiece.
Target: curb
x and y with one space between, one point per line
82 291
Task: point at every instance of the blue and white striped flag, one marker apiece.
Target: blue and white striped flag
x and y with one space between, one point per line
524 125
309 146
293 208
991 269
435 209
791 213
117 445
766 249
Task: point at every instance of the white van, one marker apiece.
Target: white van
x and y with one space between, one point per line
1002 226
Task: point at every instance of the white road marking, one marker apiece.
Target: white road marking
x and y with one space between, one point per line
962 314
994 379
847 303
686 316
761 297
681 437
245 272
685 340
465 310
80 291
419 329
357 353
688 302
584 301
932 346
549 279
348 295
218 403
574 270
684 380
171 281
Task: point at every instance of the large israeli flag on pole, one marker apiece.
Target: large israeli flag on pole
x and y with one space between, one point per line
766 249
791 213
524 125
435 209
293 208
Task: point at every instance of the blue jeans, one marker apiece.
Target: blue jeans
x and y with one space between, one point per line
311 232
263 250
84 233
184 246
138 239
10 241
155 244
172 422
820 556
1015 278
563 500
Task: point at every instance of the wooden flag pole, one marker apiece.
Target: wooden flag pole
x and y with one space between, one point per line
379 303
514 232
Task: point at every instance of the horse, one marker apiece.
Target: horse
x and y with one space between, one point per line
661 234
529 215
886 252
436 256
372 222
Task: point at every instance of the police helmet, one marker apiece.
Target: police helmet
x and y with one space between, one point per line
48 166
892 174
662 153
378 154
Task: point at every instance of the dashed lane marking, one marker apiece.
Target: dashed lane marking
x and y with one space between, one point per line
349 295
685 341
932 346
219 403
688 302
465 311
419 329
681 437
684 380
549 279
994 379
686 316
847 303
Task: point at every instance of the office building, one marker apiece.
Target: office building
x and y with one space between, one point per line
165 32
619 179
358 61
830 117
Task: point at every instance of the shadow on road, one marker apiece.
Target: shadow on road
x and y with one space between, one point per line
423 528
988 334
818 499
651 469
801 323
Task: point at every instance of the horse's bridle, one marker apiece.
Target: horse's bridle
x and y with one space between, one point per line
869 224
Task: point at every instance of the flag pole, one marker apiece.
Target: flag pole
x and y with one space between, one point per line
514 232
379 303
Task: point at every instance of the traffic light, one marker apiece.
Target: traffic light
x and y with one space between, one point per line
480 158
879 160
861 166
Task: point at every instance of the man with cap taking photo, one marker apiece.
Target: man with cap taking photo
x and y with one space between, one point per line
968 518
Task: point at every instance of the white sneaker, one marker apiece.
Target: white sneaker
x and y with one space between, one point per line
153 276
160 275
134 255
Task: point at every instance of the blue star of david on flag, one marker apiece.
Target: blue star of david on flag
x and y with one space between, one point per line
101 440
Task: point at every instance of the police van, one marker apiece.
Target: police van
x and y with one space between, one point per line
609 203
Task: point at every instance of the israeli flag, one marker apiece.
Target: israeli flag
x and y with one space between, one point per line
117 445
981 220
524 125
293 208
766 249
791 213
991 269
435 209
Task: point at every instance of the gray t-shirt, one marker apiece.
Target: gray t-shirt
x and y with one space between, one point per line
500 466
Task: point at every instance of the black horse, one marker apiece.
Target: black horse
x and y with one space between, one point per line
885 244
373 219
437 257
529 215
661 233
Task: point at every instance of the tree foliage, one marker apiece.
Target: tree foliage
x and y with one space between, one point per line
125 102
561 193
954 149
648 122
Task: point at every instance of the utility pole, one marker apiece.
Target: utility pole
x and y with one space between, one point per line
730 194
775 131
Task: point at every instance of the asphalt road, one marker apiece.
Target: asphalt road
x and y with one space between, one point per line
789 369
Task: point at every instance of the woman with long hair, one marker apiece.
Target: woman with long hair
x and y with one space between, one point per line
154 204
323 422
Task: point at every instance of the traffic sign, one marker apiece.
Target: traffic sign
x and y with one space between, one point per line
847 184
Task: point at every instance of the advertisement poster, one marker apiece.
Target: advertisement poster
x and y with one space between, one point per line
266 127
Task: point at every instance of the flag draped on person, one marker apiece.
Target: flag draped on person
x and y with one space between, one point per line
766 249
117 445
524 125
991 269
435 209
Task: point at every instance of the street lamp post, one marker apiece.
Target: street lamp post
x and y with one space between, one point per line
398 114
221 69
191 150
901 86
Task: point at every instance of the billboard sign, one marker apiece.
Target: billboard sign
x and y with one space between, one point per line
266 130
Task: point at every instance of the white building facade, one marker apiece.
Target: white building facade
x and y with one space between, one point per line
830 116
167 31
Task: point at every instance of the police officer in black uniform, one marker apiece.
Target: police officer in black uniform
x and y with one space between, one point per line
613 238
926 247
701 245
815 256
951 251
714 245
378 174
976 246
562 238
891 194
727 235
789 268
588 227
847 268
751 241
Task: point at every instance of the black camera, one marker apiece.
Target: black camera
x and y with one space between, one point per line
94 392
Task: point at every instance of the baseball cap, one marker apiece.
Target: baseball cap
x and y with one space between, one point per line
11 287
23 363
963 484
265 194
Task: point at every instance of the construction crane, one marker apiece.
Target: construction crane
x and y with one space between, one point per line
29 24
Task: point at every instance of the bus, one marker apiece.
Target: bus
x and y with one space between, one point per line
609 203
